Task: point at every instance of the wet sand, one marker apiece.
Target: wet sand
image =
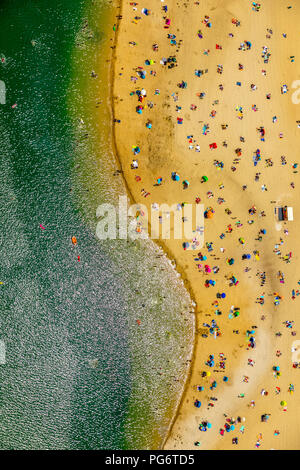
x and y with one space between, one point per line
165 149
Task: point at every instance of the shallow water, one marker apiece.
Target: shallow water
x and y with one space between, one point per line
80 372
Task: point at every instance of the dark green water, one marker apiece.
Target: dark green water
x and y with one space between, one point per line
78 373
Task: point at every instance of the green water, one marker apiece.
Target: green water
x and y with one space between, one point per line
79 374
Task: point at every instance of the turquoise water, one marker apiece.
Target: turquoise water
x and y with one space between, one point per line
79 372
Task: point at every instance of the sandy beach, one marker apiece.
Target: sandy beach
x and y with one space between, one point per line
233 119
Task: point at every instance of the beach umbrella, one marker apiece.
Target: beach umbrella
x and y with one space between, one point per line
175 176
204 178
209 425
283 403
209 214
232 428
208 374
223 295
225 379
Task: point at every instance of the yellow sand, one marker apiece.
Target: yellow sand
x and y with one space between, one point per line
165 148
